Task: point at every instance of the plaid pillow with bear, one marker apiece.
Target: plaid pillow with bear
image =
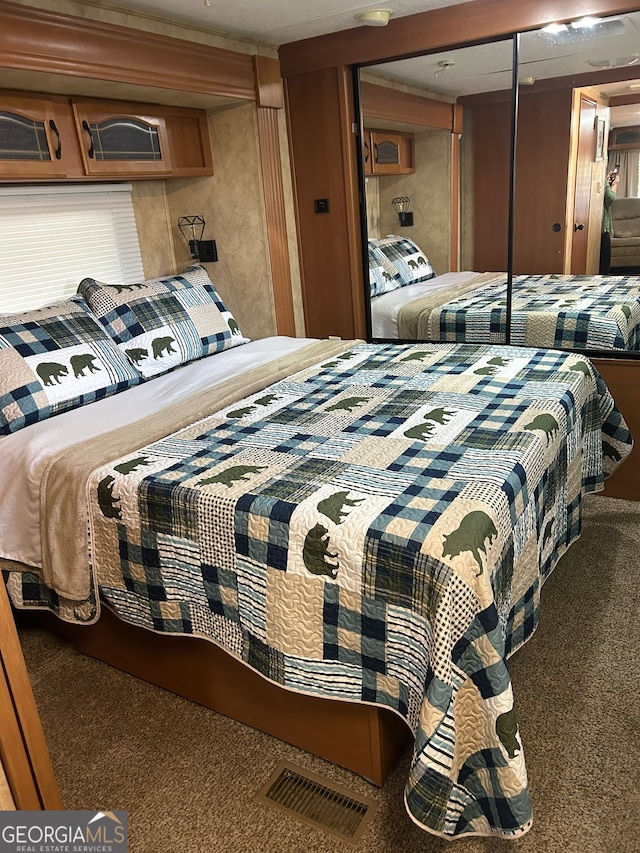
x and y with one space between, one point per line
56 358
162 323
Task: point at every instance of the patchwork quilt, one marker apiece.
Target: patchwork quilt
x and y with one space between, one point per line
376 528
567 312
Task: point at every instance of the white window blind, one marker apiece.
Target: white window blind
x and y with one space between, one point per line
53 237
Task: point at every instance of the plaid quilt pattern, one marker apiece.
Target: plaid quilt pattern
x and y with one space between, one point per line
567 312
162 323
53 359
376 528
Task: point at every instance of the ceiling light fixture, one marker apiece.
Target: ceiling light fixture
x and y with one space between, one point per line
585 22
554 28
374 17
443 65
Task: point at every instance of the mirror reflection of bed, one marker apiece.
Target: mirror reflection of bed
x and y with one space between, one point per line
559 190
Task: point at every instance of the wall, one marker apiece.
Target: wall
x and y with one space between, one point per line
229 202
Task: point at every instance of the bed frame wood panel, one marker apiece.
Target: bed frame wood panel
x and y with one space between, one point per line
622 377
363 738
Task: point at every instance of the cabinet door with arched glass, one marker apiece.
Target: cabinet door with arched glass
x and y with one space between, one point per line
30 141
119 139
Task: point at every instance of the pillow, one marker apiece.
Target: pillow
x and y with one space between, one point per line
383 276
408 260
53 359
162 323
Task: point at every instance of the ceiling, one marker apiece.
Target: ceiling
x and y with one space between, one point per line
272 22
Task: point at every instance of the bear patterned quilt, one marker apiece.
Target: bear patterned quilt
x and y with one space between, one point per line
562 311
375 528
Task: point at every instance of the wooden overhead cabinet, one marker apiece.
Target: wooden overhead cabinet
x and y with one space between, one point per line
388 152
51 137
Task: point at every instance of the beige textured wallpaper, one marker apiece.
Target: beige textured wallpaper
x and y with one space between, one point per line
231 203
6 797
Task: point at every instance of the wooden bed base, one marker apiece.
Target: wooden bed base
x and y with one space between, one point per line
622 377
363 738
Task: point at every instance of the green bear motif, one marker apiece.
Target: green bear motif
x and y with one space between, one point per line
51 371
337 505
131 465
507 729
545 423
315 553
107 501
136 354
470 535
348 404
162 346
232 475
82 362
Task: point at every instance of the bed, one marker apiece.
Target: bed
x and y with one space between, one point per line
365 526
409 302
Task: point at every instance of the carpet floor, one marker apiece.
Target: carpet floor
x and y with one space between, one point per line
189 777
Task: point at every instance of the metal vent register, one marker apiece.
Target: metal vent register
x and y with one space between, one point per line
318 801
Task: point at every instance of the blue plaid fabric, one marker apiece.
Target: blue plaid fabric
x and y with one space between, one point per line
376 528
53 359
162 323
396 262
567 312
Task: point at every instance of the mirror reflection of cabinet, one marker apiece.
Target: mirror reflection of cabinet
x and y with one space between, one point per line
388 152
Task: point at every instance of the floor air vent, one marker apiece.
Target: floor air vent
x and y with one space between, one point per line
318 801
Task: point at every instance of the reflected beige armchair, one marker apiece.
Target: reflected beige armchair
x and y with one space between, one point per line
625 235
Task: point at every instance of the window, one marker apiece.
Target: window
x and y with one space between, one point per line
53 237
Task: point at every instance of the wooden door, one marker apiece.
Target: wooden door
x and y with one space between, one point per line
582 194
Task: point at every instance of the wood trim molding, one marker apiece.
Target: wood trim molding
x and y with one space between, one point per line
269 142
438 28
396 105
268 82
621 377
350 167
39 40
454 215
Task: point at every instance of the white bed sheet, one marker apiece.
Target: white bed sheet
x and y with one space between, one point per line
26 453
385 308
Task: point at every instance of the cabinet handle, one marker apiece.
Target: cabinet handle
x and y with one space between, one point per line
366 152
58 152
578 226
90 152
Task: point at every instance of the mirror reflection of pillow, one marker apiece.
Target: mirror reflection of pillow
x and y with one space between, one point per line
406 257
162 323
383 276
